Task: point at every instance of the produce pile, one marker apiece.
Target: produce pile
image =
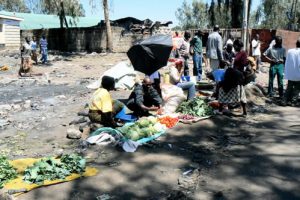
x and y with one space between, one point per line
144 127
51 169
169 121
186 117
7 172
196 107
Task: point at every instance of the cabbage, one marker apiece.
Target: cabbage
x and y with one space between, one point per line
143 123
152 120
134 135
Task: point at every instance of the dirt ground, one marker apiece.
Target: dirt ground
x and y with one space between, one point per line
220 158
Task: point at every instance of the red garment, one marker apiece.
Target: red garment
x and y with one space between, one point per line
240 61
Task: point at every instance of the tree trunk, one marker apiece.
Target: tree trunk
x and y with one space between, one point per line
109 44
63 15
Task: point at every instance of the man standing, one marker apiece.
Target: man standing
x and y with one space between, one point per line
144 98
256 50
196 45
292 73
33 46
276 57
44 49
184 51
214 48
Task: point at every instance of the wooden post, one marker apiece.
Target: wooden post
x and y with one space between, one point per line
245 24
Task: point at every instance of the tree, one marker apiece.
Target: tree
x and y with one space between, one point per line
63 8
192 16
278 14
13 6
105 6
211 12
109 44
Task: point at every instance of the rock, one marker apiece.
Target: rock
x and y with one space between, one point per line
27 104
6 107
58 152
61 97
16 107
73 133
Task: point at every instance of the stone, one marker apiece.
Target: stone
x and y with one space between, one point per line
27 104
6 107
16 107
73 133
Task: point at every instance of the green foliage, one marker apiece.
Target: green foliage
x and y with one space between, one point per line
51 169
277 14
13 6
192 16
73 163
7 172
199 15
196 107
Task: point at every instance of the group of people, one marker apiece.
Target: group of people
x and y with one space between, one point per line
231 69
29 52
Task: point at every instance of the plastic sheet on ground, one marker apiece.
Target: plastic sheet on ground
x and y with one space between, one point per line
22 164
127 145
123 73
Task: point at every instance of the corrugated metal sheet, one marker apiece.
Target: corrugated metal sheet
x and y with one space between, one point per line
39 21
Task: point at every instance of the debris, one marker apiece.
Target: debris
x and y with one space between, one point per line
103 197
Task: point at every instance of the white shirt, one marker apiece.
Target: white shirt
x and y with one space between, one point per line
255 48
292 65
174 75
229 41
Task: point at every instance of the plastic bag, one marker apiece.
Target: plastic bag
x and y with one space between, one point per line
172 97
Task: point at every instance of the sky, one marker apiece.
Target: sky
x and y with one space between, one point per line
156 10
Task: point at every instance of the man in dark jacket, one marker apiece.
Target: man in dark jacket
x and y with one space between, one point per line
144 98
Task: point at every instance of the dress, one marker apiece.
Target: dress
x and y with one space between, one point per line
231 88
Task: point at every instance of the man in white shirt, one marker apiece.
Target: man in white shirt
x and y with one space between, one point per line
256 50
292 73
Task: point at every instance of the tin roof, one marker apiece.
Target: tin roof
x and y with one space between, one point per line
40 21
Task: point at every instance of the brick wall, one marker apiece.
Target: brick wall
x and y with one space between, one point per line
84 39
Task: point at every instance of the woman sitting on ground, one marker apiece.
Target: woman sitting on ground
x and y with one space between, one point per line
175 79
102 108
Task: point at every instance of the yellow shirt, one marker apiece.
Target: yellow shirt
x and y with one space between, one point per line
102 101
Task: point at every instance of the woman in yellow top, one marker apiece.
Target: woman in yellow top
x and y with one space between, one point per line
102 108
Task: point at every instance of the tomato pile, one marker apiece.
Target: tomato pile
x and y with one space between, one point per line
170 122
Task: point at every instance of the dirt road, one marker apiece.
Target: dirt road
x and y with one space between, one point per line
220 158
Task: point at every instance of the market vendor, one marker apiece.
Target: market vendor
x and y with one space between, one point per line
144 98
176 72
102 108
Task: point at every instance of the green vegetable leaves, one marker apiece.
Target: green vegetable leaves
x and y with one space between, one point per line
196 107
51 169
73 163
7 172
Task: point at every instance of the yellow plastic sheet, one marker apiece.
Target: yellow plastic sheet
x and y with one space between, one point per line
22 164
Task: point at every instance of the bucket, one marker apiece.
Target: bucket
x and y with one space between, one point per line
186 78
